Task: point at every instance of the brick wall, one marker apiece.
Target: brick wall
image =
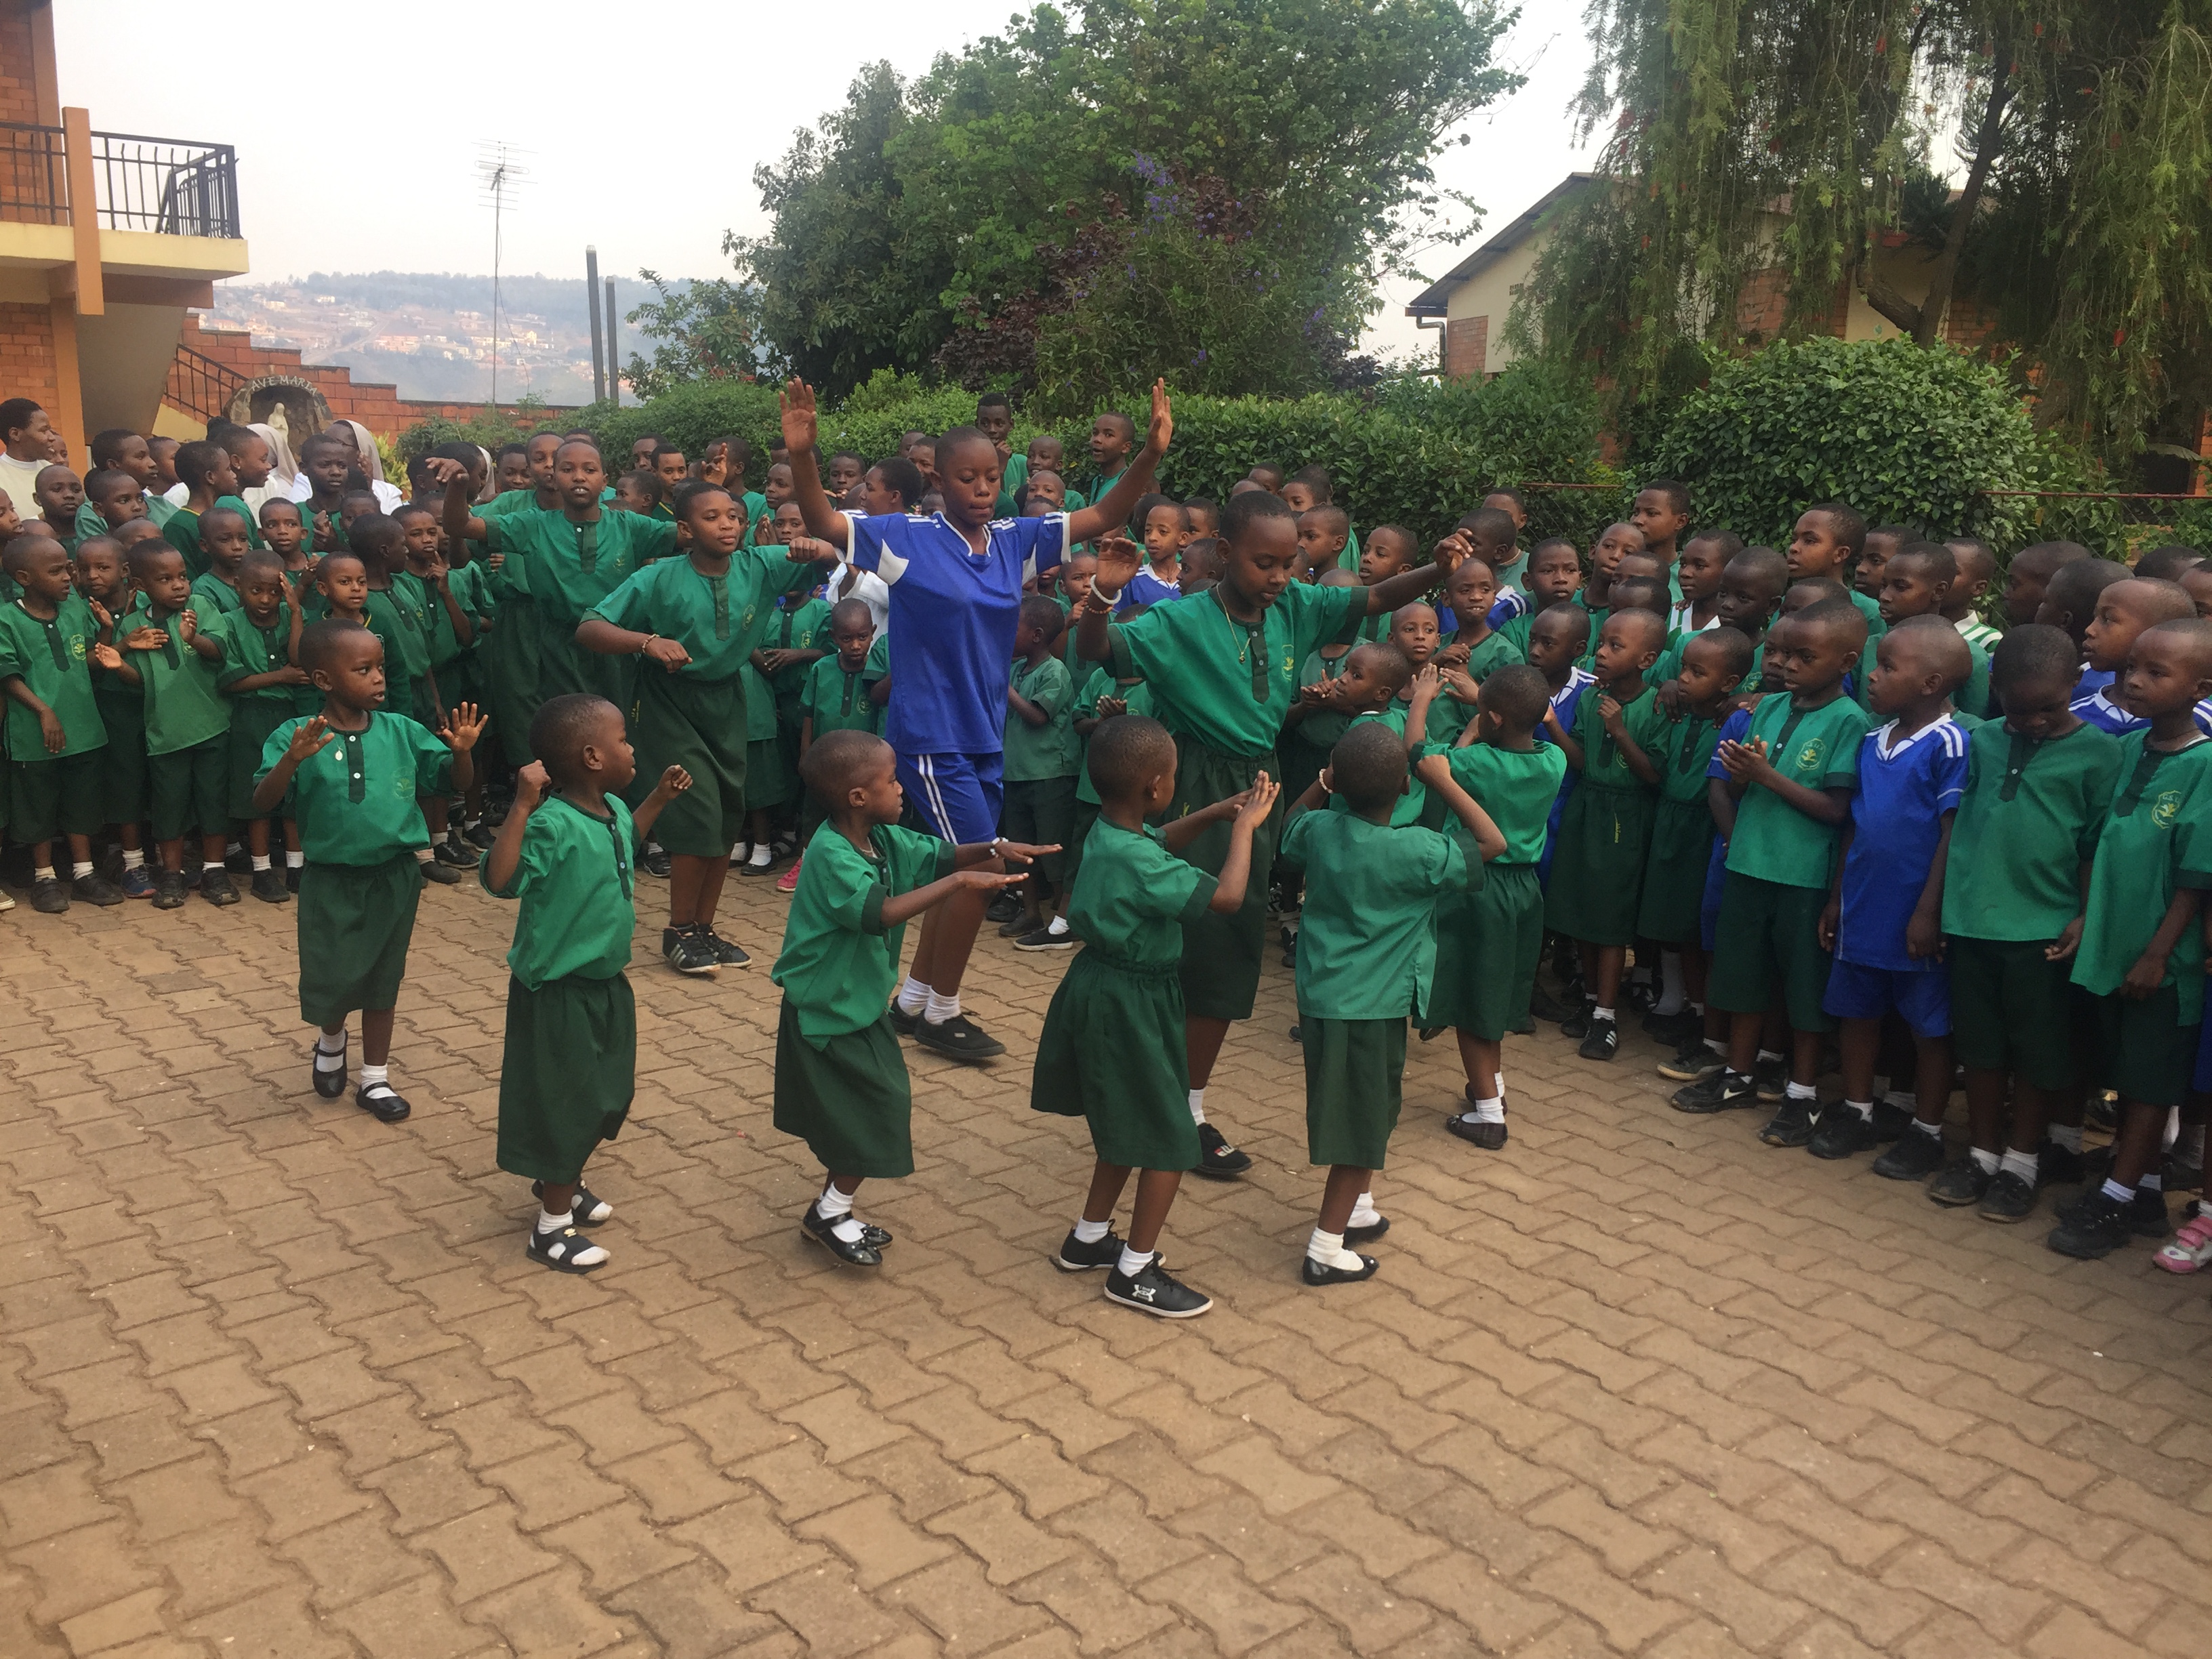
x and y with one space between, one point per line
27 353
19 91
1467 347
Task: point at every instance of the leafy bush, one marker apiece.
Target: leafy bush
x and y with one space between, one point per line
488 428
1904 434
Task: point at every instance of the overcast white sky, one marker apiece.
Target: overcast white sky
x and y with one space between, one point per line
357 153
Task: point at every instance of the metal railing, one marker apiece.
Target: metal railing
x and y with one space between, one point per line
167 185
200 385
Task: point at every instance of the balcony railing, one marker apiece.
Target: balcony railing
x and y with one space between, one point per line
200 385
166 185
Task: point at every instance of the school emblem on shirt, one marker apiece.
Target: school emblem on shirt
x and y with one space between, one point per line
1809 755
2166 809
1289 670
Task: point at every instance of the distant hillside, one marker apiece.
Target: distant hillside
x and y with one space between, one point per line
431 332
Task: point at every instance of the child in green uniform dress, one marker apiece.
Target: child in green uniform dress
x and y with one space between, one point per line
694 623
224 544
1367 952
1224 670
49 641
835 699
1112 1048
841 1083
1793 775
2038 783
569 1067
449 605
1490 939
1102 699
261 676
771 783
187 725
1605 831
103 579
1042 760
205 471
512 652
353 774
2142 950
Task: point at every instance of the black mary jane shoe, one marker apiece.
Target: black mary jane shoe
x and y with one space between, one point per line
330 1084
858 1254
1314 1273
1367 1234
382 1102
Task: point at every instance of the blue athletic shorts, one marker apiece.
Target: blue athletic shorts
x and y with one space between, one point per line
2202 1083
956 798
1709 908
1922 997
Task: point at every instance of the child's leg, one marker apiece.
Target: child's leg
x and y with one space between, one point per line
695 888
211 850
1693 975
1931 1079
2136 1149
1602 965
1804 1058
172 854
1985 1101
1340 1193
1860 1041
257 841
759 831
433 813
1202 1039
1107 1181
1744 1035
42 855
375 1035
1484 1060
1156 1192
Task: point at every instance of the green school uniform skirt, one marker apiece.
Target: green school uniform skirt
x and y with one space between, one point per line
1488 944
1302 763
1597 864
564 667
1353 1069
252 721
1674 872
1222 954
122 763
850 1101
767 782
356 921
510 670
1112 1052
700 725
567 1074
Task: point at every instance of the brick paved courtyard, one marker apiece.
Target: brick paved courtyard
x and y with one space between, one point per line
275 1380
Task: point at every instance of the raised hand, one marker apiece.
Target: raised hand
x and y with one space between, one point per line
669 653
444 469
1163 422
1119 560
673 783
1259 800
311 737
809 549
465 726
188 625
797 401
1020 852
531 784
106 656
143 638
101 616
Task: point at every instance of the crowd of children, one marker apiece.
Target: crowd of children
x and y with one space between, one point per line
1833 808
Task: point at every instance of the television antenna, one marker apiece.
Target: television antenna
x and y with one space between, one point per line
500 174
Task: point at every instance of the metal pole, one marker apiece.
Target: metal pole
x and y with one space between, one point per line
614 357
591 290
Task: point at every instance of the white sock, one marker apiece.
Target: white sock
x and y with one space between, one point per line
763 856
2154 1181
835 1207
1801 1091
1718 1045
2022 1165
328 1059
1133 1261
1935 1129
1089 1233
1864 1108
1327 1249
421 855
2118 1193
79 869
44 873
1059 926
260 862
1364 1212
374 1076
1197 1105
211 863
940 1008
1766 1055
1490 1111
134 857
912 995
550 1222
1601 1013
2068 1135
1987 1162
294 858
1670 980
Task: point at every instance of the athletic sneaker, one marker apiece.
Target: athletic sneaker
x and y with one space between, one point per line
2095 1227
138 883
268 886
95 888
1772 1077
1077 1257
1007 906
1842 1133
957 1038
1216 1159
169 890
2010 1198
50 896
455 853
1693 1059
1153 1292
656 861
1791 1124
217 888
1044 938
725 955
1961 1182
683 950
444 875
788 881
1601 1040
1720 1090
2190 1249
1577 1021
1915 1156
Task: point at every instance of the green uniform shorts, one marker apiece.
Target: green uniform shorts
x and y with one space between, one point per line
1769 941
2014 1010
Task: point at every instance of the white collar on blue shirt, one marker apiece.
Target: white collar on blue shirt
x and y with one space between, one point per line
1888 751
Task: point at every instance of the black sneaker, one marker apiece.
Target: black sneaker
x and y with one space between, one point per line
1077 1257
96 888
683 950
328 1085
455 853
1723 1090
1773 1077
2180 1177
1915 1156
480 835
725 955
2148 1214
381 1102
1314 1273
433 871
1791 1124
1842 1133
1216 1159
268 886
1890 1121
217 888
1671 1028
1044 938
902 1022
50 896
237 859
1526 1027
168 890
2095 1227
1692 1061
1546 1006
957 1038
857 1253
1960 1182
1601 1040
1488 1136
655 862
1153 1292
2010 1199
1577 1021
1007 906
292 878
2057 1165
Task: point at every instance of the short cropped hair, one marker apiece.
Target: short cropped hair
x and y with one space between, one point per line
1515 697
1039 613
2167 563
2074 586
1942 563
17 554
1677 493
559 728
2034 650
850 613
1126 751
1728 541
647 483
1735 646
1315 478
1845 522
107 446
197 460
1252 504
320 640
373 533
1143 515
1941 641
903 477
1368 766
837 760
1392 666
105 480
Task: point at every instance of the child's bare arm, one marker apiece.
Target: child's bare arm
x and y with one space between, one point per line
1923 932
1025 711
1179 832
1720 801
2143 979
461 524
823 518
1831 913
507 851
309 737
1236 868
673 783
904 906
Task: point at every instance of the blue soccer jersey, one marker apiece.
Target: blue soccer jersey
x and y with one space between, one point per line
2098 709
1145 588
1905 786
952 618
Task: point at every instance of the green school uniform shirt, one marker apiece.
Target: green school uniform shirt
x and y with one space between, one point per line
1818 749
839 963
248 650
803 627
575 879
1493 652
1603 764
398 624
182 532
1322 726
2029 820
471 592
1135 700
1516 787
2157 840
212 597
836 698
573 567
1410 805
1217 680
1050 751
183 707
720 620
1690 742
1367 938
354 799
53 659
1131 896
